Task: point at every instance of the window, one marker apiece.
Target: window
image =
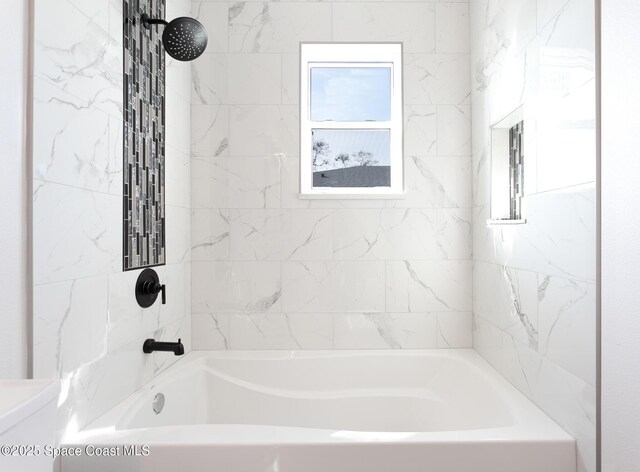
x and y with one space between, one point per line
507 170
350 120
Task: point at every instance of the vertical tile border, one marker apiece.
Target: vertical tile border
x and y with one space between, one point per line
144 137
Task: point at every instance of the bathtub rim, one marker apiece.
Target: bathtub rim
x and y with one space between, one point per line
530 423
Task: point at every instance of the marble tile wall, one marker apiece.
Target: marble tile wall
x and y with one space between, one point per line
272 271
534 285
88 329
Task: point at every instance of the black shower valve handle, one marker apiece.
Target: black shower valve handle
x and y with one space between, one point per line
148 287
153 288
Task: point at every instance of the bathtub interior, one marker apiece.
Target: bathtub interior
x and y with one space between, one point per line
352 391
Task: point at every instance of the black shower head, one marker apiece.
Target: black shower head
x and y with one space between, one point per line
184 38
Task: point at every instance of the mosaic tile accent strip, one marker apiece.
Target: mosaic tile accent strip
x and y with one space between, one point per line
516 168
144 137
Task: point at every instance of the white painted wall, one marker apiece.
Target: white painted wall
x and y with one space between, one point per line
620 235
13 188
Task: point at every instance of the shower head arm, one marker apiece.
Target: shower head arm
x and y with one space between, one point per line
147 22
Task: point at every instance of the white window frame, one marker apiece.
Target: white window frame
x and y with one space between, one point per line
351 55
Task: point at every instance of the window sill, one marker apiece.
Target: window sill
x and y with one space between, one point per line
505 222
352 196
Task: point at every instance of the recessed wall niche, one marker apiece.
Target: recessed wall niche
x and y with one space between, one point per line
144 137
507 169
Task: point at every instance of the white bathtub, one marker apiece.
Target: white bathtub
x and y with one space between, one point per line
329 411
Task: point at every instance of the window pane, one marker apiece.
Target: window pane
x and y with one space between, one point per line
350 93
351 158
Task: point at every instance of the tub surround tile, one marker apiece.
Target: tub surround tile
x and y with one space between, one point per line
392 234
508 299
455 330
280 234
333 286
178 78
255 79
487 341
454 130
236 287
179 329
210 331
97 386
214 16
209 79
435 79
227 183
177 128
84 61
127 321
73 140
538 55
179 234
77 241
277 27
290 79
564 397
385 330
178 172
420 130
412 23
281 331
274 263
566 311
423 286
209 131
256 130
209 235
561 225
70 325
115 165
452 27
436 182
565 140
88 329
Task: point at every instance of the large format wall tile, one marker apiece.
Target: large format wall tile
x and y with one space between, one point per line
215 16
83 60
385 330
236 287
70 325
73 139
248 182
436 183
412 23
422 286
77 233
281 331
256 130
275 271
327 286
393 234
88 328
567 325
534 284
280 235
436 79
277 27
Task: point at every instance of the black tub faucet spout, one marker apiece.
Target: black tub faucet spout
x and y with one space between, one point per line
151 345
